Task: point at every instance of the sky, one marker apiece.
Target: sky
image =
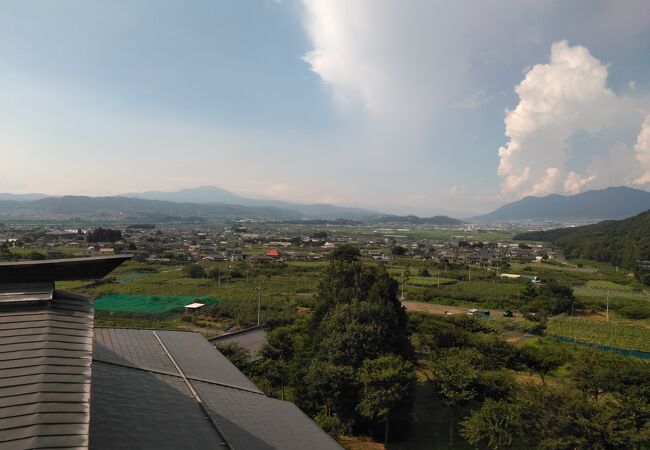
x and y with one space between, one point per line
426 107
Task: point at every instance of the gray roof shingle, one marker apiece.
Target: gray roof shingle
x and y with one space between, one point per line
251 339
45 359
136 393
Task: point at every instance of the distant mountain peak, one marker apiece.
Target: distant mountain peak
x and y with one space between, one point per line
616 202
214 194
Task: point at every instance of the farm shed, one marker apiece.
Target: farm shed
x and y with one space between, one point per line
194 307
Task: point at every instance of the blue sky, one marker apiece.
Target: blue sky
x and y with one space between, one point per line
391 105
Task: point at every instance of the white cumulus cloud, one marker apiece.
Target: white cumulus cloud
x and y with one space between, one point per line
559 100
574 182
556 100
642 149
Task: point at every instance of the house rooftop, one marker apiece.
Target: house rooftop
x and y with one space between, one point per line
64 384
147 384
51 270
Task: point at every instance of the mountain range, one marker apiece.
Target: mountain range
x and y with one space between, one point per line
205 203
21 197
213 194
209 202
611 203
124 208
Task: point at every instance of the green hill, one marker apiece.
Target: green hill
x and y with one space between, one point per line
621 242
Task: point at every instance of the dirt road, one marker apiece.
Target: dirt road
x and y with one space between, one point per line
431 308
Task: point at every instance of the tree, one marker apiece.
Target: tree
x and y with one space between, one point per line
215 274
35 256
527 294
492 424
195 271
104 235
237 355
279 345
398 250
330 423
455 376
5 253
542 360
277 352
557 297
385 383
345 252
332 388
358 317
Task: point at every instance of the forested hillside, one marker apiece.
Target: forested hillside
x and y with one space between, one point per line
621 242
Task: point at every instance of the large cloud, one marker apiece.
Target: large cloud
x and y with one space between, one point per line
557 101
388 57
642 149
422 73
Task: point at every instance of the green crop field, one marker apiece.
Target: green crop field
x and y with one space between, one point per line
428 281
614 334
627 301
488 293
539 267
149 304
602 288
296 282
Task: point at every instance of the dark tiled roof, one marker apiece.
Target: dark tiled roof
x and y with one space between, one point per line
252 421
50 270
191 351
251 339
45 358
137 409
142 401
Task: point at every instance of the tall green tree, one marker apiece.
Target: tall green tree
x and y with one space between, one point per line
358 317
385 383
455 376
542 360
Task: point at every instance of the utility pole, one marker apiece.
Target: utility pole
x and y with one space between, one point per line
438 278
402 296
469 271
259 303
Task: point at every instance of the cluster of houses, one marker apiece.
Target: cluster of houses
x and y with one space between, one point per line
186 243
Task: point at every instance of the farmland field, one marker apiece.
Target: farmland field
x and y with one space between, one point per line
602 288
429 281
149 304
488 293
614 334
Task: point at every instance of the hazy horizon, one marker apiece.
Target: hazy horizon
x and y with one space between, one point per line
424 108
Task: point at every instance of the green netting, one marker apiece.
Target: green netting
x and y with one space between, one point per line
153 304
